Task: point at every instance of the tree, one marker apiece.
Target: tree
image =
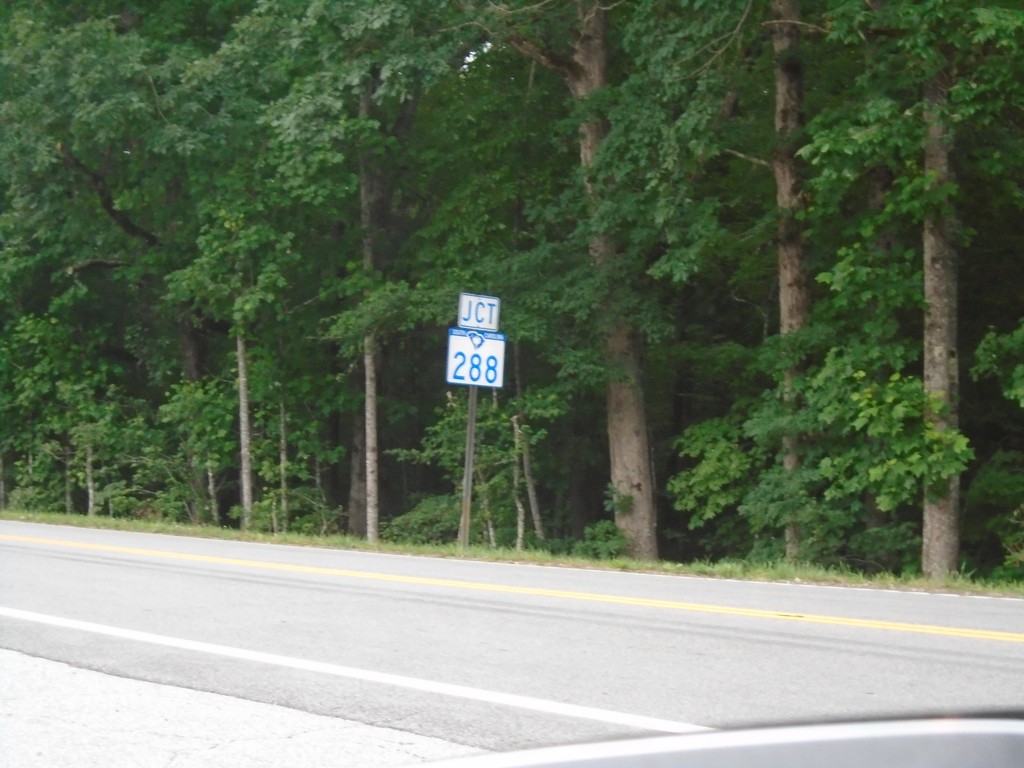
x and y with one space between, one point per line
941 361
584 69
794 293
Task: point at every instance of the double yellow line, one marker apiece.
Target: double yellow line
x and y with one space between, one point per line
558 594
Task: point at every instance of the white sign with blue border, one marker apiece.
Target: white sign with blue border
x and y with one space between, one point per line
476 358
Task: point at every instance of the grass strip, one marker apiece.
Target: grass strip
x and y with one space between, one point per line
781 571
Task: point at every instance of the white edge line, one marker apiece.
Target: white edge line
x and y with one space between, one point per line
428 686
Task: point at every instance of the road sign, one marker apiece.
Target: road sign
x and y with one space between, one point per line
476 358
479 313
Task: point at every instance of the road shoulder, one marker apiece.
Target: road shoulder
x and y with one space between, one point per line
56 714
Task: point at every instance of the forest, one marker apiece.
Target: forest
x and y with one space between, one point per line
757 261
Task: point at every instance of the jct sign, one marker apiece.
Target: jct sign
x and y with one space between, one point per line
479 313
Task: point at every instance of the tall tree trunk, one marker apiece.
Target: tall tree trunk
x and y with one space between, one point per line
941 536
90 482
357 479
629 451
3 480
632 476
192 352
632 481
371 449
517 439
282 448
794 296
244 429
524 448
531 492
193 504
69 504
369 201
485 505
211 491
520 509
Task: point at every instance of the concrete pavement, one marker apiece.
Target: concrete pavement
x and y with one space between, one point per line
53 714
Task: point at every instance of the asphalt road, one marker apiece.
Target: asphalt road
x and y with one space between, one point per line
495 656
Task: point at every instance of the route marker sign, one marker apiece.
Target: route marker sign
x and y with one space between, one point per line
479 313
476 358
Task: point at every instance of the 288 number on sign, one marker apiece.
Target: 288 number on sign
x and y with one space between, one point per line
477 366
476 358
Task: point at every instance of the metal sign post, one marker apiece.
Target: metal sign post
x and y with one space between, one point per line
476 358
467 477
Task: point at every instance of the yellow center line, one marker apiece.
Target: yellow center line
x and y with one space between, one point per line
592 597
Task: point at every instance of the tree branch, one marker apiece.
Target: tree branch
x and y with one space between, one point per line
81 266
728 38
567 69
506 11
99 184
748 158
812 27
